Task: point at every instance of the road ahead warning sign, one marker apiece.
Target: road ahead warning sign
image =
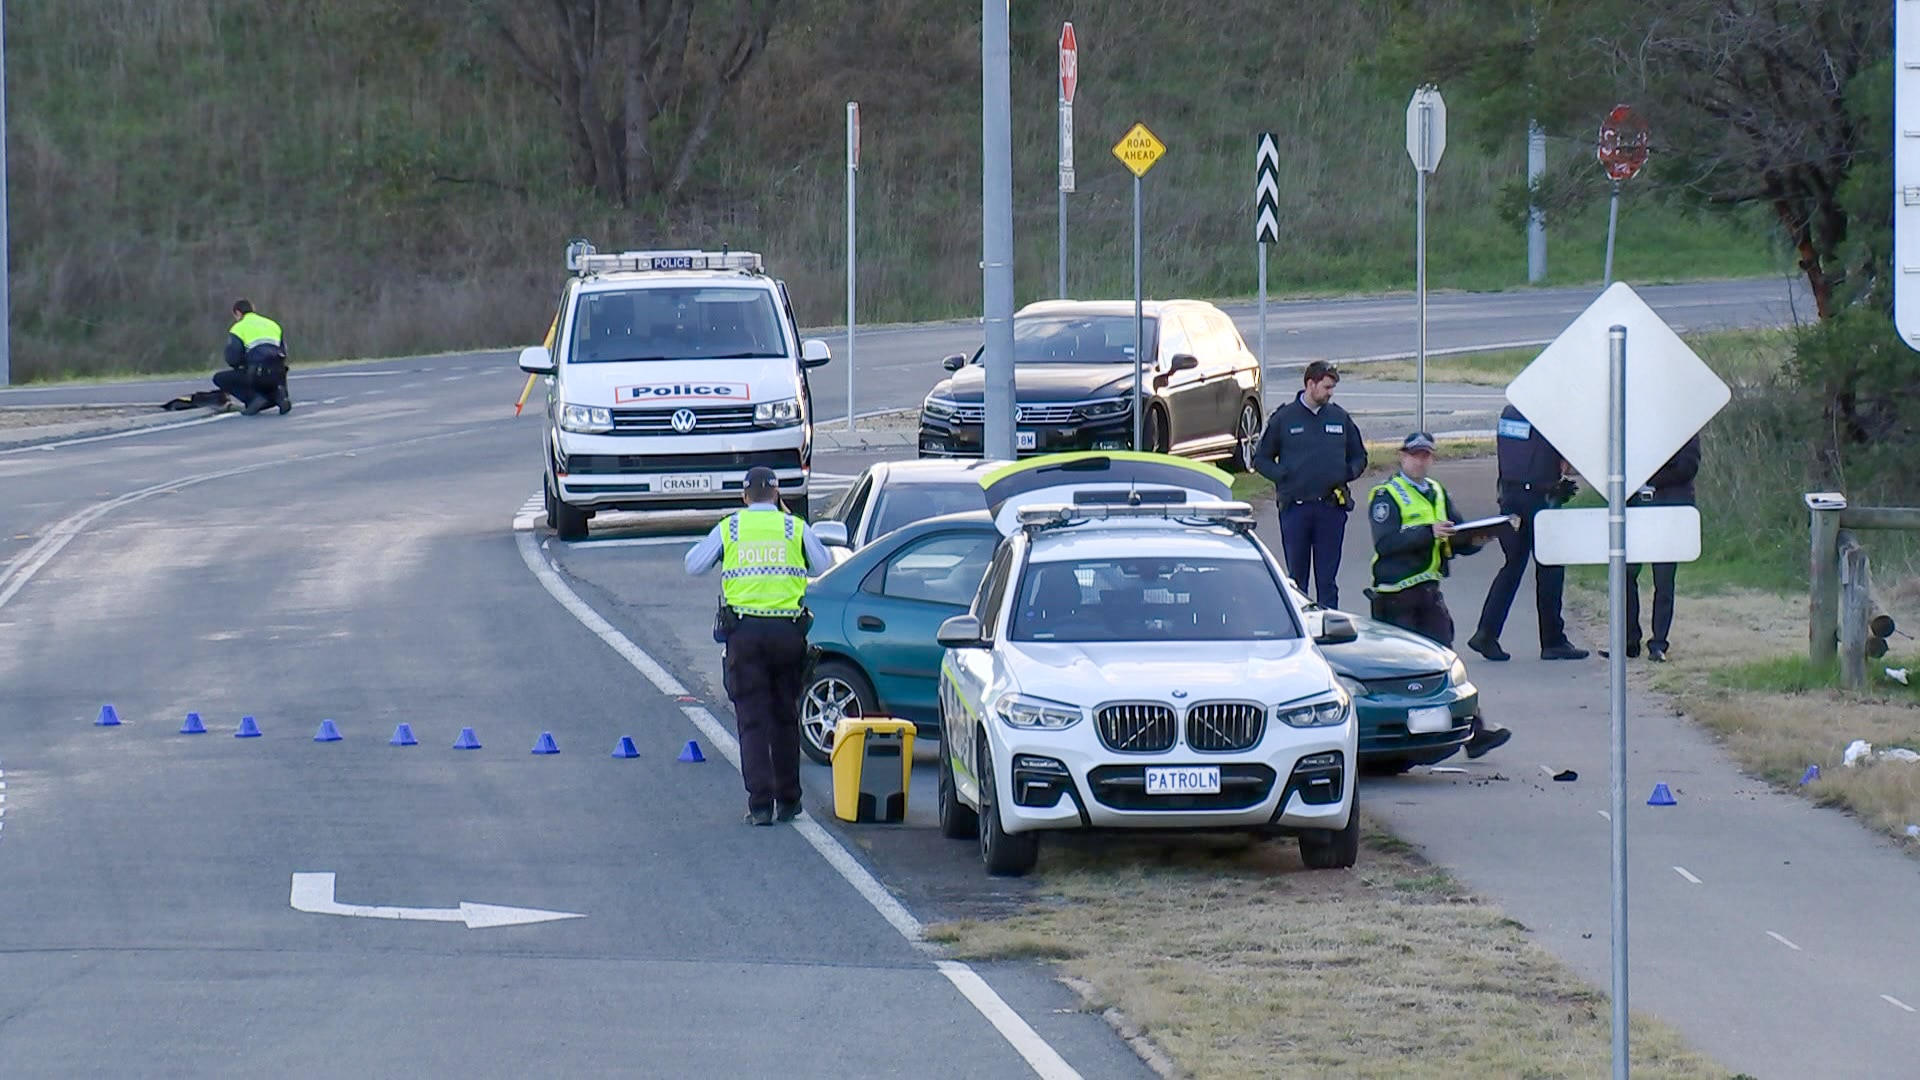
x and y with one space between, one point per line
1138 149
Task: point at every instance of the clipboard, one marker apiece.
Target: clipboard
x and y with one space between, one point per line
1481 525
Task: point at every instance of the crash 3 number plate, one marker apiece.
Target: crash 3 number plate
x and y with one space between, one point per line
1026 440
695 482
1191 780
1429 721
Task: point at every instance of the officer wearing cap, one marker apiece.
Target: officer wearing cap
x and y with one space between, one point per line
1532 479
1413 541
765 556
1311 451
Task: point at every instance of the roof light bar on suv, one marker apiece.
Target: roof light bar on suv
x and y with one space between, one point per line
1236 515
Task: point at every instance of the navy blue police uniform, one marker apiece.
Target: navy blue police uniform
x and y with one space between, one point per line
1530 481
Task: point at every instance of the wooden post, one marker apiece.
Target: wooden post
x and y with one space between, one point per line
1856 609
1823 595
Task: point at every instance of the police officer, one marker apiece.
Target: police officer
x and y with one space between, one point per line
1671 485
1413 541
765 556
1312 450
256 362
1531 479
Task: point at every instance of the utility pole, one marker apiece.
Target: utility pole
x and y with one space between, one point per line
996 215
1536 217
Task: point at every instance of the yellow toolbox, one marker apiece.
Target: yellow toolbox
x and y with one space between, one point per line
872 768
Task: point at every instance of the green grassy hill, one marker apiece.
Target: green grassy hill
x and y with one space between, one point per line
383 184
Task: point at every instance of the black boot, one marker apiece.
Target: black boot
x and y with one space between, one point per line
1488 647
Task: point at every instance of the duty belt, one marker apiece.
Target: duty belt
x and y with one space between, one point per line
771 613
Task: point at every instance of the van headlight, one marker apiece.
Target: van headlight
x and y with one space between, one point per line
1329 713
783 413
1021 711
586 419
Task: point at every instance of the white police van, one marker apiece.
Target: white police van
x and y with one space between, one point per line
670 374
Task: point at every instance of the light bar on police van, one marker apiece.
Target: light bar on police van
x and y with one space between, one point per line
1219 513
591 262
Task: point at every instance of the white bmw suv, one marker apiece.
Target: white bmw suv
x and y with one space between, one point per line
1133 660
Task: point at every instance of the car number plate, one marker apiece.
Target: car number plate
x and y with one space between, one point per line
1189 780
1429 721
1026 440
691 482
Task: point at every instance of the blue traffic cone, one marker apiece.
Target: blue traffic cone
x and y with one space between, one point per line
1812 774
546 744
193 726
248 729
327 732
692 752
109 717
403 736
467 740
626 748
1661 796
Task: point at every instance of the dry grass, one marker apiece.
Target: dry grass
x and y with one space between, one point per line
1743 358
1240 963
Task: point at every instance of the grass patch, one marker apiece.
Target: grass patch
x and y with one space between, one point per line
1381 457
1741 357
1240 963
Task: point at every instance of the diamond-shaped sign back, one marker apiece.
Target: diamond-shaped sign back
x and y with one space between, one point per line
1671 393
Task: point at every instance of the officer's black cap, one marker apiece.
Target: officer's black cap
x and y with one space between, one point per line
1418 441
762 481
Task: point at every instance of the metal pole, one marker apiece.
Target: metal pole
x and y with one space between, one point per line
1139 324
1617 672
1420 231
1061 124
1263 323
996 190
1613 220
1536 217
6 262
853 119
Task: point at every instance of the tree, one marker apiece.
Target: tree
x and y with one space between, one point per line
638 84
1748 99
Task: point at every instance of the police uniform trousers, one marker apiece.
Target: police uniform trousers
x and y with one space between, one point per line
1418 608
765 664
1311 531
1664 574
1549 582
253 381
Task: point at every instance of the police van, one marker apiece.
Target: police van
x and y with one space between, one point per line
669 375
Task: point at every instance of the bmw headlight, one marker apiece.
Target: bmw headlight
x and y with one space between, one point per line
1330 713
783 413
937 409
586 419
1100 410
1021 711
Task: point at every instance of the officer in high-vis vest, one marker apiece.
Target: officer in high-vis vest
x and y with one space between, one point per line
256 372
1413 541
765 556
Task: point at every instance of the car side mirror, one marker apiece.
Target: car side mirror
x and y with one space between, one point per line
830 533
1336 628
1184 362
959 632
814 353
954 362
536 360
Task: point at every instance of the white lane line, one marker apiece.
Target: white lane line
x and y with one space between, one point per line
1024 1040
368 393
1604 814
632 541
1027 1042
1682 871
1783 941
1894 1001
3 810
453 378
365 374
117 434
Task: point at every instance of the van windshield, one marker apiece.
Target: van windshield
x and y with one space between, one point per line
695 322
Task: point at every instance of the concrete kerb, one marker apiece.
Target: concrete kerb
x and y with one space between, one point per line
19 438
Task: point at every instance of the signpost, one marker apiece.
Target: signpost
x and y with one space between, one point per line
1266 222
1138 150
1616 449
1623 150
1906 174
853 168
1426 141
1069 79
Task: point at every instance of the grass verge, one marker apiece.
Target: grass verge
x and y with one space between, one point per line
1380 456
1741 357
1239 963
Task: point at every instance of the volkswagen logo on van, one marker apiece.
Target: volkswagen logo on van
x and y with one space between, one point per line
684 420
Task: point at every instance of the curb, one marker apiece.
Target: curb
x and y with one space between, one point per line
52 433
1136 1039
864 440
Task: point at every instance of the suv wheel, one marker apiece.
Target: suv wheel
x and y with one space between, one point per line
957 820
799 507
1006 855
1334 849
837 689
1246 436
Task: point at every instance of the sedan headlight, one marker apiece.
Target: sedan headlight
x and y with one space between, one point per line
938 409
1021 711
586 419
1457 674
1100 410
783 413
1330 713
1354 687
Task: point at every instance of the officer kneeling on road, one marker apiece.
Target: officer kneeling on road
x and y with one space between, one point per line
256 362
1413 541
765 555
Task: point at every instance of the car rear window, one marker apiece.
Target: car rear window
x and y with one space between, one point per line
1151 599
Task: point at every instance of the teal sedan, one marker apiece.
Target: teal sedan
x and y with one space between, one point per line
877 611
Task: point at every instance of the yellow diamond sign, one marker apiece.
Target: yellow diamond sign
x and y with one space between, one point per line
1138 149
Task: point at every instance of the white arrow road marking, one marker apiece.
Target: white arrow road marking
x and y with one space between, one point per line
313 893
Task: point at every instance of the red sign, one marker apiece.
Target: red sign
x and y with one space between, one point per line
1069 63
1623 143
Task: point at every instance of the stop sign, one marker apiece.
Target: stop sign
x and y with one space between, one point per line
1069 63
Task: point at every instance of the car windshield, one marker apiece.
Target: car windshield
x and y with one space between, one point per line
1077 339
904 504
695 322
1151 599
